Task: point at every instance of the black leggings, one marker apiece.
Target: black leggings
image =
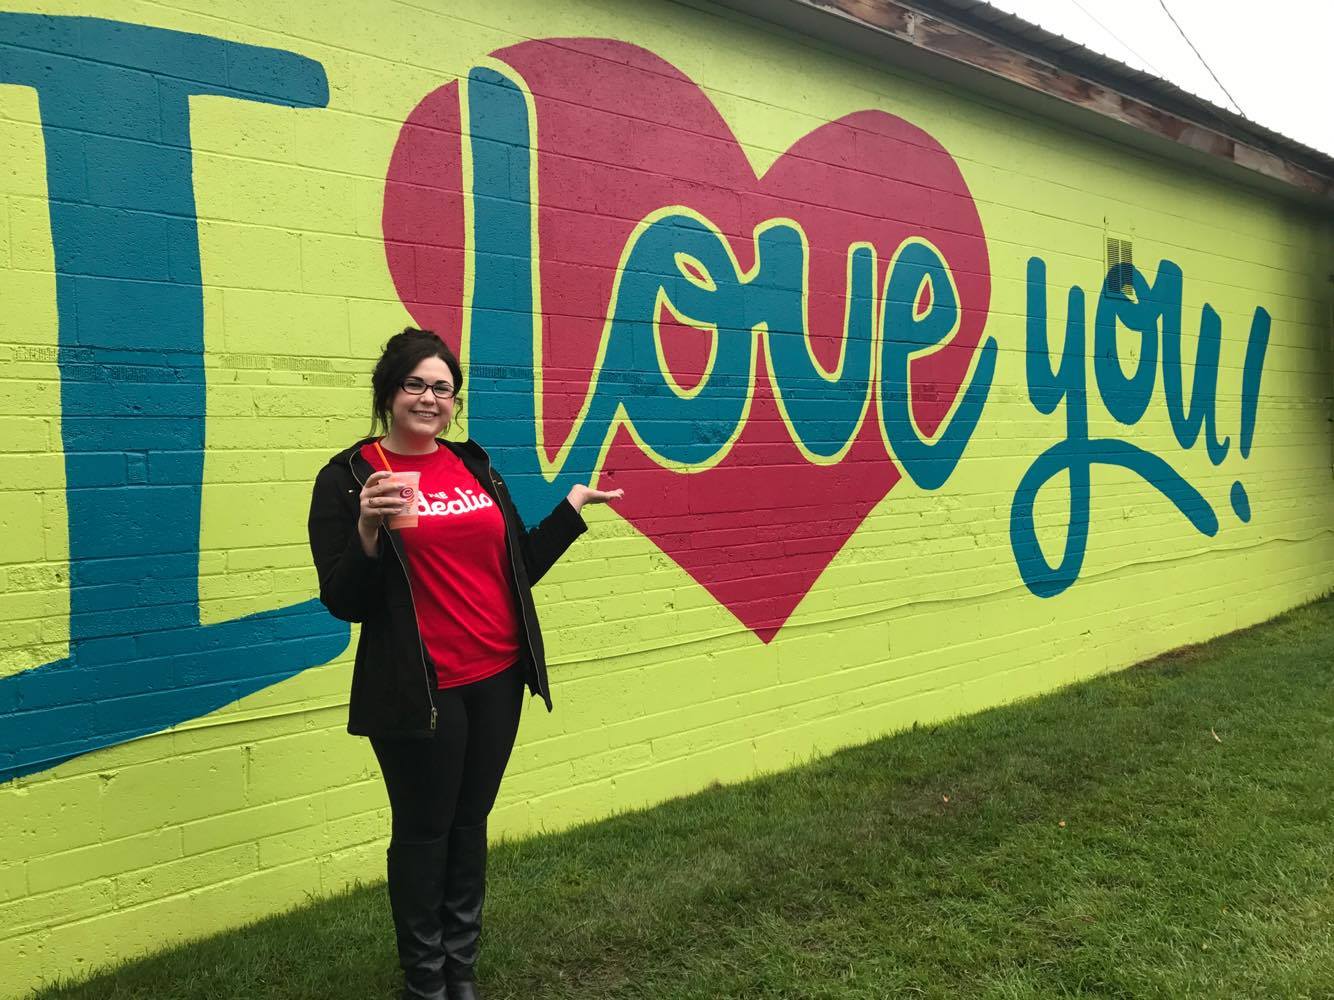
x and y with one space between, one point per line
452 779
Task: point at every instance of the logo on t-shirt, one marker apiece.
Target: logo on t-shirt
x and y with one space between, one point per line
442 503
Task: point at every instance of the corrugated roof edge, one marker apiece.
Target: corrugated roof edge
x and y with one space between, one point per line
982 37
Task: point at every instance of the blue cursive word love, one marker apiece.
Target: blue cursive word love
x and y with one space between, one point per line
681 258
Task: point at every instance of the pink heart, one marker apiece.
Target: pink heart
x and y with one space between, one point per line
621 133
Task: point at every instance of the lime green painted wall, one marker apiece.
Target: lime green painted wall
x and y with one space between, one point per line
661 686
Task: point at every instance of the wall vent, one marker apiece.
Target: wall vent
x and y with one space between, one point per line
1120 266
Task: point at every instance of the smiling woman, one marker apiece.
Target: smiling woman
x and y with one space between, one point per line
403 407
449 639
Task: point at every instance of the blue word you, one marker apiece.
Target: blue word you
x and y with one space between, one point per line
1153 312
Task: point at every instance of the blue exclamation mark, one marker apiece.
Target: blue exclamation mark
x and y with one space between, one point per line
1250 397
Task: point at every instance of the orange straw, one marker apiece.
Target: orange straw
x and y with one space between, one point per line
380 451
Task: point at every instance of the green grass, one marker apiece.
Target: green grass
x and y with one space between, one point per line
1188 865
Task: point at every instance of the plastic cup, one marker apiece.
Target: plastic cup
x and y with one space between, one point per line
408 483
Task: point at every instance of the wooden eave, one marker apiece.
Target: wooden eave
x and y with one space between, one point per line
916 37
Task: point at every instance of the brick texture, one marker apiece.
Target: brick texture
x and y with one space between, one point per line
160 790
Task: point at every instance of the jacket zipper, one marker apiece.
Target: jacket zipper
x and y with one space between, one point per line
514 570
421 648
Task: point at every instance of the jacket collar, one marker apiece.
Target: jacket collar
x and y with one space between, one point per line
472 454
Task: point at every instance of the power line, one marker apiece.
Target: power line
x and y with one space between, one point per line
1089 14
1163 5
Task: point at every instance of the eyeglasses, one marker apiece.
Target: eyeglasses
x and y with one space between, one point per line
414 386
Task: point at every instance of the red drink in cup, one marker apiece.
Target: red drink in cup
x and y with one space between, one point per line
408 483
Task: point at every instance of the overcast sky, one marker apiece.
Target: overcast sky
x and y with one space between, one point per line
1276 57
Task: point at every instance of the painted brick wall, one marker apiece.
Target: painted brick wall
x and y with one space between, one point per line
214 213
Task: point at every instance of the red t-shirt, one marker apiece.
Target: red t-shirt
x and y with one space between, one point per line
459 569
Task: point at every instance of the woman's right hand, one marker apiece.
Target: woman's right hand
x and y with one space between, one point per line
379 499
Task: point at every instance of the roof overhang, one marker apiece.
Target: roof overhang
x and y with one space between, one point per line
1141 111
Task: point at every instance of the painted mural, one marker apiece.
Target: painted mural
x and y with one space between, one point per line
776 349
721 335
130 305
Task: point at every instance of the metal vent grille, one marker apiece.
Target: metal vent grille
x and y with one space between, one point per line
1120 266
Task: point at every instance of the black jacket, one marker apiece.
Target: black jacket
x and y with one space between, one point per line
393 676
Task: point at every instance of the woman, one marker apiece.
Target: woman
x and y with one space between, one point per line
449 639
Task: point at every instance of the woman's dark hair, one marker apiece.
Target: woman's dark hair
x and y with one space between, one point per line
402 353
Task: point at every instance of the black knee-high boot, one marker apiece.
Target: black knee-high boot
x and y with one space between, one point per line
416 887
461 909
